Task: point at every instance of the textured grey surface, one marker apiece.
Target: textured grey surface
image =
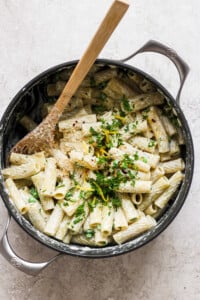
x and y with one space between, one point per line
38 34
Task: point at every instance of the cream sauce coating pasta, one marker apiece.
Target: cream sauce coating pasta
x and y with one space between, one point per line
118 151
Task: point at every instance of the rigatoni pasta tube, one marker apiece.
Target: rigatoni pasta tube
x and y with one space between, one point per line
35 212
54 221
63 228
120 221
152 159
82 240
36 217
141 225
21 171
174 147
158 130
77 221
151 210
100 238
143 143
67 238
107 220
96 216
62 188
75 123
137 198
144 175
69 207
157 188
173 166
50 175
128 208
62 160
169 127
132 129
139 187
37 158
157 173
16 196
174 182
144 100
47 202
88 161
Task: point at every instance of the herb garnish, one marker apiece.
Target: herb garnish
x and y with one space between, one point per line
102 160
34 193
126 104
59 185
79 214
89 233
151 143
32 200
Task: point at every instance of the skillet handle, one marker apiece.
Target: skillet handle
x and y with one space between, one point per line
181 66
30 268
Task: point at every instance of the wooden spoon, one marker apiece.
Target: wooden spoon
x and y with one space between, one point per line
42 137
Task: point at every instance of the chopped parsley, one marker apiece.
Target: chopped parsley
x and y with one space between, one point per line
99 108
127 161
151 143
145 113
132 176
126 104
89 233
115 125
144 159
92 204
102 96
32 200
78 219
79 214
108 137
92 82
69 194
80 210
126 127
34 193
115 164
136 155
60 184
72 177
102 84
116 201
102 160
97 138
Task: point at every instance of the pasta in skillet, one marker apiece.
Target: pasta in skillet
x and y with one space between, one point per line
116 166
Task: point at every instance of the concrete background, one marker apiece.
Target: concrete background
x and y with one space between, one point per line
37 34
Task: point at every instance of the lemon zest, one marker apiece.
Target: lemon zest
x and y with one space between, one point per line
82 188
99 189
120 118
85 147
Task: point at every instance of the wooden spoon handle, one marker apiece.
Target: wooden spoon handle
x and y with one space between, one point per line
106 28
